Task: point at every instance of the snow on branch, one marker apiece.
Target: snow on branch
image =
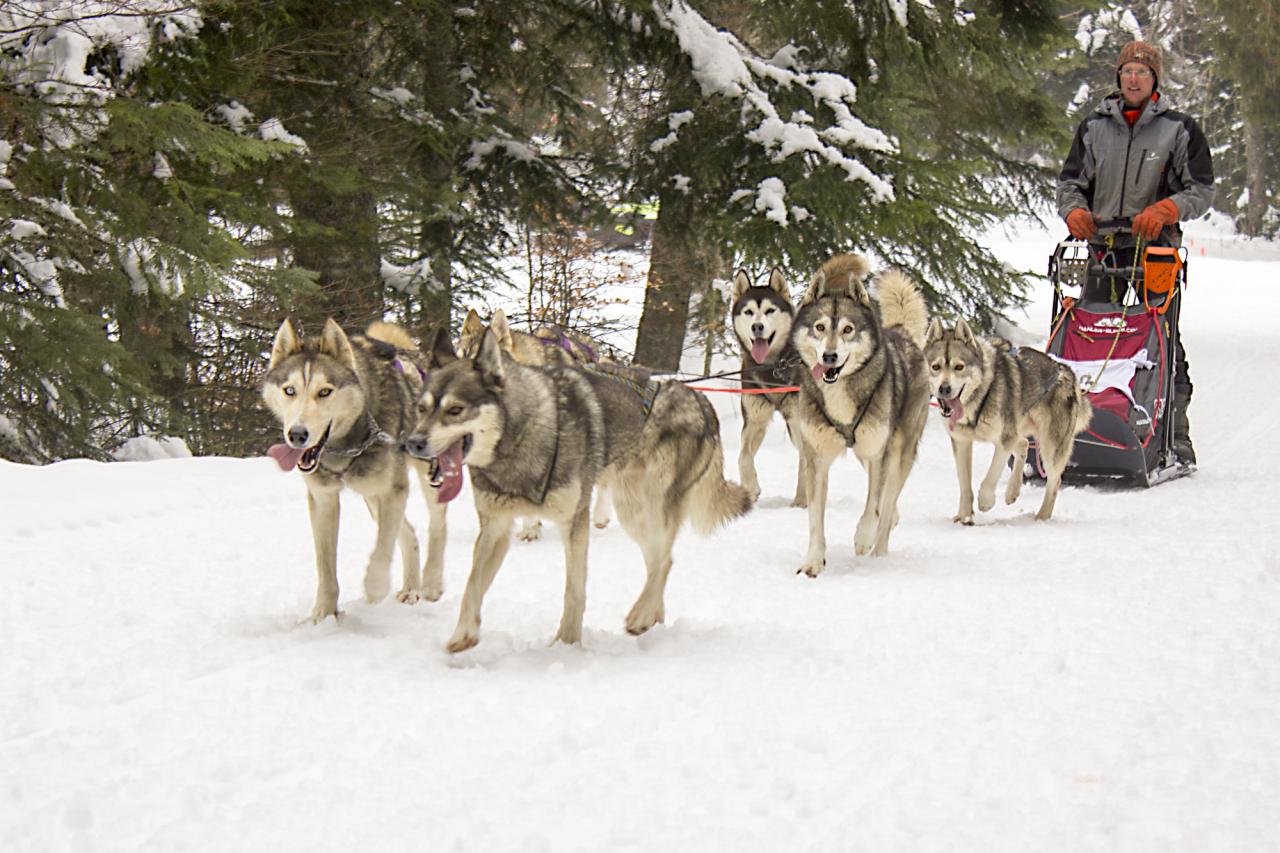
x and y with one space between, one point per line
724 66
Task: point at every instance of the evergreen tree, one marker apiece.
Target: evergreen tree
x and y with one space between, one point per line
817 128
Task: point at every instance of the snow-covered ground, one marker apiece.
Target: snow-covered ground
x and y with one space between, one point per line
1109 680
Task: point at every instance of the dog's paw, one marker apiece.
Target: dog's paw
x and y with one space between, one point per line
321 612
431 590
986 499
800 502
1011 493
812 568
408 596
642 617
531 532
461 641
602 523
1044 516
965 518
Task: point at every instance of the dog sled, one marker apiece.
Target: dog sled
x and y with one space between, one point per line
1116 303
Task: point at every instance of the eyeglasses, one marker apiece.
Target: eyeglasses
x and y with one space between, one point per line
1140 73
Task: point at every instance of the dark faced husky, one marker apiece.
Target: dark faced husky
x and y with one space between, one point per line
537 439
989 392
762 323
345 405
865 389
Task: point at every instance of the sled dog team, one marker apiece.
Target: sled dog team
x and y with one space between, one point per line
538 432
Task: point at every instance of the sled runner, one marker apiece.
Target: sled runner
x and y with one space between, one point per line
1116 302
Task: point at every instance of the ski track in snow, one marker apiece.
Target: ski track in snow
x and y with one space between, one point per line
1108 680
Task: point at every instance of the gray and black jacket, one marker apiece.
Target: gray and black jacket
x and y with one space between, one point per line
1115 170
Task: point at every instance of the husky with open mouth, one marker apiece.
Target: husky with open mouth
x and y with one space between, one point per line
538 350
345 404
535 441
989 391
762 318
864 389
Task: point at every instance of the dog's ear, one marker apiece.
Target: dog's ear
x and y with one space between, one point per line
489 361
934 332
778 283
817 287
741 283
441 350
473 325
334 342
287 343
502 329
964 334
858 291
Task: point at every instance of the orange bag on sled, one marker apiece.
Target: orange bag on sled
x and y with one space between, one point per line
1162 267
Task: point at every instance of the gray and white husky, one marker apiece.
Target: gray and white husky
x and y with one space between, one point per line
537 439
865 390
534 351
762 319
345 404
988 391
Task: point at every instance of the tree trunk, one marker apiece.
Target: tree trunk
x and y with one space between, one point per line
442 97
678 265
1255 154
345 254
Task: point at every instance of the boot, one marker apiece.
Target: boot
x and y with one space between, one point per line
1183 450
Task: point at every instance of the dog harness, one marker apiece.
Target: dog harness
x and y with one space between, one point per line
376 435
848 433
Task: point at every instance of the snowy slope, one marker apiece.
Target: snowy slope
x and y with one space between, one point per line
1108 680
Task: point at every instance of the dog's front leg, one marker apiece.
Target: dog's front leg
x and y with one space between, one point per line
486 558
411 589
804 473
576 538
864 537
816 558
754 425
323 507
987 491
1014 488
388 510
962 450
437 535
901 457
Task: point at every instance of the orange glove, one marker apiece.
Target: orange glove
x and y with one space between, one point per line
1151 221
1081 224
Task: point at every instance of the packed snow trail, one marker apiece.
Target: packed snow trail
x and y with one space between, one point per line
1108 680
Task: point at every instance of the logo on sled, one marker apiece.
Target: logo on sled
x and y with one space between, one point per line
1111 325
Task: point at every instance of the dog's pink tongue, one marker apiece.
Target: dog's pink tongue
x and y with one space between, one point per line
286 457
451 471
817 371
759 350
957 412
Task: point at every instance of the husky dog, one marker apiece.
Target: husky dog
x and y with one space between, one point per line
988 391
345 405
536 352
865 388
543 347
537 439
762 322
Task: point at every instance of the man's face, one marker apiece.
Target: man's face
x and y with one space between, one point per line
1136 84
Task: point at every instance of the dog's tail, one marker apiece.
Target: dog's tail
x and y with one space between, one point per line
1084 409
392 334
680 444
901 304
